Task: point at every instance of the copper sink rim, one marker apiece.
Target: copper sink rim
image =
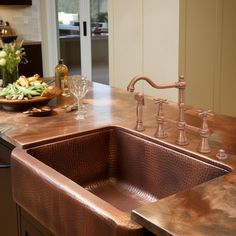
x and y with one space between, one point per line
175 147
76 191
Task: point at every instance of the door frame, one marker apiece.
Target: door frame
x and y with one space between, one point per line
48 22
85 39
50 37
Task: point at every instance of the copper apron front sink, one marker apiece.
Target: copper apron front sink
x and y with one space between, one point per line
89 184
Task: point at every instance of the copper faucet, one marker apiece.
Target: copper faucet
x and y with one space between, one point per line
180 85
139 111
160 132
204 132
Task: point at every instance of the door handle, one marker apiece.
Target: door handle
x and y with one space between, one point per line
3 165
84 28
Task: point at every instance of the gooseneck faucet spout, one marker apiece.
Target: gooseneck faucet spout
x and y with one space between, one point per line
180 85
132 83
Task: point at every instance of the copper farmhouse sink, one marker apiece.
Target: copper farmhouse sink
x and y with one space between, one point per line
89 184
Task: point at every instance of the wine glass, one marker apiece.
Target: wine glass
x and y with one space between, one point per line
79 85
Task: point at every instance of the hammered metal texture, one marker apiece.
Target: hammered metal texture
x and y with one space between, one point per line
115 165
116 157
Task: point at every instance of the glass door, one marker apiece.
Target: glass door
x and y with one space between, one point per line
99 40
83 37
68 13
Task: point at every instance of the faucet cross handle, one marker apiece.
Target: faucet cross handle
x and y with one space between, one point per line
160 102
160 132
204 131
204 113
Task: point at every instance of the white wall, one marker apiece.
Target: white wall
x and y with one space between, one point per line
24 20
144 39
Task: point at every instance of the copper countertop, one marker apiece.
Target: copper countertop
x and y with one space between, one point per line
207 209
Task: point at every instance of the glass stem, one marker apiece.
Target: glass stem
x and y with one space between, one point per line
80 105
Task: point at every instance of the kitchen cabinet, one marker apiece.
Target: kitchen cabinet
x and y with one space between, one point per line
15 2
8 209
30 227
14 221
146 32
207 53
34 56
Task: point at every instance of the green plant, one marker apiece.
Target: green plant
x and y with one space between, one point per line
102 17
11 55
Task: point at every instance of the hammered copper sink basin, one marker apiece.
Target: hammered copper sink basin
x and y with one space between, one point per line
89 184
